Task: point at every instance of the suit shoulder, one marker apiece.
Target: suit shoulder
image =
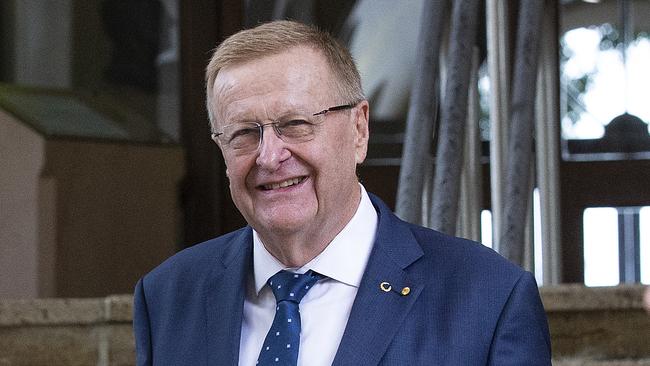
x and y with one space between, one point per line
449 255
465 255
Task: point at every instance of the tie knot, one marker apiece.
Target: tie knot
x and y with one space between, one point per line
288 286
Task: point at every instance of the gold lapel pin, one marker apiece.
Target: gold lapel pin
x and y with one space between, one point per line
386 287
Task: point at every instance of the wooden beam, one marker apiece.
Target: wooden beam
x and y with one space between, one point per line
207 208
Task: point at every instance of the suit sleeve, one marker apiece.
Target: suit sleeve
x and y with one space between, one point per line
141 326
521 336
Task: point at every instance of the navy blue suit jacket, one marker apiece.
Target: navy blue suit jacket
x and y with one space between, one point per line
467 305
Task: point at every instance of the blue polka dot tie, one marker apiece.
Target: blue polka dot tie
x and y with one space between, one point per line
283 340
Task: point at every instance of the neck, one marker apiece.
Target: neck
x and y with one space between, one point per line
294 253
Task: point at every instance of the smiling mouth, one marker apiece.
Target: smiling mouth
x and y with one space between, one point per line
283 184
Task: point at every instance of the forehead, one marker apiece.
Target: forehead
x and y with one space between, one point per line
263 88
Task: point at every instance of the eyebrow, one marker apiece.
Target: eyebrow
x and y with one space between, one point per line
287 113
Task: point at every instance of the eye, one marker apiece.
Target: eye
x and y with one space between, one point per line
294 123
243 133
296 128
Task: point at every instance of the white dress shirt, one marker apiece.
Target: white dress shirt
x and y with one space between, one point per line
325 309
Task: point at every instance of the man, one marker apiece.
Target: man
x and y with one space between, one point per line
288 113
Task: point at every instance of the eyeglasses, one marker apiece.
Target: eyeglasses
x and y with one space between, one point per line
245 137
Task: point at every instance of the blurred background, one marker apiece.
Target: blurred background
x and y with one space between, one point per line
106 165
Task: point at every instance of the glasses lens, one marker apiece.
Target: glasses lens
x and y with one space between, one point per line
242 137
296 129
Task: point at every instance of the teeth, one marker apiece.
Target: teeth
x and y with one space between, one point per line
286 183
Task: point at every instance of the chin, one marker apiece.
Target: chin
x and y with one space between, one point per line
284 225
285 215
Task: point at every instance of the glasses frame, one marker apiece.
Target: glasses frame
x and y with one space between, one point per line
274 124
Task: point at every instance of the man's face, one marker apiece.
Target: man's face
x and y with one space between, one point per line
283 188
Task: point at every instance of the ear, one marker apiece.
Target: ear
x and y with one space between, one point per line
214 138
362 132
223 153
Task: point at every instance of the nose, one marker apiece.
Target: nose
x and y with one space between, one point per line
272 151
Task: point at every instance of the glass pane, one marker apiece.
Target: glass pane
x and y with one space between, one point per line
604 78
537 238
598 85
644 222
115 56
486 228
601 246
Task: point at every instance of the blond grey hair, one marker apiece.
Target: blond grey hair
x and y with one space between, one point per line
279 36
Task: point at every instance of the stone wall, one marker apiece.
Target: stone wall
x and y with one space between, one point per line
598 326
589 327
67 332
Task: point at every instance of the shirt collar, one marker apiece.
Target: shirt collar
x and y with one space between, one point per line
344 259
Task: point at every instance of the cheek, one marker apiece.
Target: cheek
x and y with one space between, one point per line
239 193
339 158
338 138
238 182
345 148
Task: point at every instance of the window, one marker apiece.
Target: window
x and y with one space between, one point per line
616 245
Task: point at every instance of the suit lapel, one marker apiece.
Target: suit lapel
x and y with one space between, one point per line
377 314
224 300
